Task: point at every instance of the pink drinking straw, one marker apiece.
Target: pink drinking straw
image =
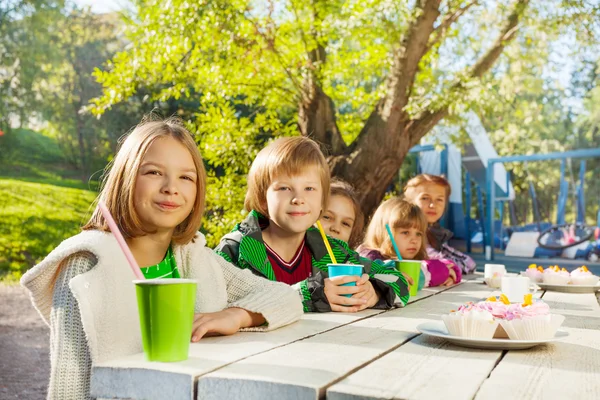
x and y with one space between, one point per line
115 230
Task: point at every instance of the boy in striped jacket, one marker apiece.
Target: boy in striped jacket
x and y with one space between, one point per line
288 188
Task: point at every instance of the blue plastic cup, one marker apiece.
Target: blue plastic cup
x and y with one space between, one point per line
343 270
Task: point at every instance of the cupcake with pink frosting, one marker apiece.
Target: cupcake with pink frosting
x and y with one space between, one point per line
471 321
498 307
535 273
531 320
556 276
583 276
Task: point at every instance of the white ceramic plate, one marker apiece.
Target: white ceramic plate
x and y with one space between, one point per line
570 288
438 329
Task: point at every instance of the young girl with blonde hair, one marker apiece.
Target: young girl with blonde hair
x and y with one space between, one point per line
83 289
409 227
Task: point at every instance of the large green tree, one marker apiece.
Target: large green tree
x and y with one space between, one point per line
84 42
27 29
366 79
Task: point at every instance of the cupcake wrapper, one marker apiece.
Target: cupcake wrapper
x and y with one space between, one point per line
584 280
533 328
469 327
494 282
537 278
556 280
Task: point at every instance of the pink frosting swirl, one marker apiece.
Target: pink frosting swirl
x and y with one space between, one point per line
581 272
496 308
519 311
561 272
534 273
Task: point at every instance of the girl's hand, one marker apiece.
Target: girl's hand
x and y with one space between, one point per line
225 322
334 293
408 279
452 278
367 292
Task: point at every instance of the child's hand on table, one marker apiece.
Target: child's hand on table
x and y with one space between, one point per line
452 278
225 322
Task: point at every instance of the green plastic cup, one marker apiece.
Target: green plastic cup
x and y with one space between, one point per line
166 309
413 269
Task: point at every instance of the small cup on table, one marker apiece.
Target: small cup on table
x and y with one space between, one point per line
411 268
344 270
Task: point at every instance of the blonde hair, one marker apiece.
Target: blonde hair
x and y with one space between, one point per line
344 189
118 186
399 214
423 179
285 156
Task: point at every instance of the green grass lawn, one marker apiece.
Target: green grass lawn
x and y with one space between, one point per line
34 218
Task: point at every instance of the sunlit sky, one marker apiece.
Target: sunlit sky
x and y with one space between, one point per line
102 6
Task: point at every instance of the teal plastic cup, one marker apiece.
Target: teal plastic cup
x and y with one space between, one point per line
166 310
413 269
343 270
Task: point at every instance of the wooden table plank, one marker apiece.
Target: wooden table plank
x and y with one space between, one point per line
566 369
133 377
305 369
425 367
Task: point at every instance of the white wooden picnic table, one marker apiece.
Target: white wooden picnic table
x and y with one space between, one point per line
373 354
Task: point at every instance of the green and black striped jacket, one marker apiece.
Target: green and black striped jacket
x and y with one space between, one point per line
245 247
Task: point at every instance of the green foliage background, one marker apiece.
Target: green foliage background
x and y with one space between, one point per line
234 72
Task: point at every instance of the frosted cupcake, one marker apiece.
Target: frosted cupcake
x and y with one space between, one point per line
495 280
531 320
583 276
556 276
498 307
535 273
470 321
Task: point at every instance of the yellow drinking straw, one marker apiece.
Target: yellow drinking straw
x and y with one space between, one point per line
326 242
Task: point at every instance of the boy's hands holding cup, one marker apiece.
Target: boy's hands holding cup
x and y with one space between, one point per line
367 292
335 294
225 322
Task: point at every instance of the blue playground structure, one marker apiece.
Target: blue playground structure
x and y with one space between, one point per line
485 172
575 234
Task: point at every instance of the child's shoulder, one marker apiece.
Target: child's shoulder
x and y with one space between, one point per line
371 254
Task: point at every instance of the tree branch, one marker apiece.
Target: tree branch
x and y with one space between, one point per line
429 118
406 61
440 32
316 114
270 42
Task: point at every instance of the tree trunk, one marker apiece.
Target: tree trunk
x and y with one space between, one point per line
371 167
374 158
316 119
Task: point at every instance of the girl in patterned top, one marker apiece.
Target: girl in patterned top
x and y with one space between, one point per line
409 227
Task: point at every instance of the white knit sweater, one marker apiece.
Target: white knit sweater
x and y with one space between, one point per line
83 289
